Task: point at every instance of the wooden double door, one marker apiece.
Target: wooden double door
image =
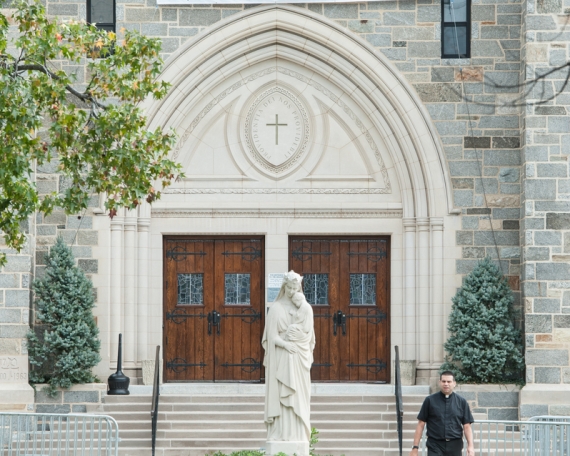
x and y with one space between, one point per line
213 308
347 282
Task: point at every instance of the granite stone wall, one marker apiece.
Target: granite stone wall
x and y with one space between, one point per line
15 284
492 402
545 218
77 399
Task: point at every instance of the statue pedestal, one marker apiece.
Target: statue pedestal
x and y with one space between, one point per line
273 447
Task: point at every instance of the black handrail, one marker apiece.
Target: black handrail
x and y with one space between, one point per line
155 396
399 401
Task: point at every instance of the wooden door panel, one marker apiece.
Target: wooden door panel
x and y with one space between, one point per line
367 319
188 347
315 257
238 346
209 340
360 349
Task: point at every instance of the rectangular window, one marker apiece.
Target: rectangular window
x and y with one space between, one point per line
101 13
363 289
455 29
237 289
191 289
316 289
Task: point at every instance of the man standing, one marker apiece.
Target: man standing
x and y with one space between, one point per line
448 417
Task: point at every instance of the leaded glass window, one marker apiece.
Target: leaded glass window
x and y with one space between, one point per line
237 289
191 289
363 289
316 288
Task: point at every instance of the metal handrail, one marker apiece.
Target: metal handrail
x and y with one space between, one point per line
399 401
155 397
517 438
58 434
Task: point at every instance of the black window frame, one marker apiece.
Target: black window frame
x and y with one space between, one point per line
108 26
448 25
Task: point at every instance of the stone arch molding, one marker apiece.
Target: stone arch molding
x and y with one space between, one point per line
309 49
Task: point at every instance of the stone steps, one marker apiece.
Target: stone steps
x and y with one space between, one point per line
197 424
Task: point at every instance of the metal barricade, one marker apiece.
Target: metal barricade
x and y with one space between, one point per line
517 438
52 434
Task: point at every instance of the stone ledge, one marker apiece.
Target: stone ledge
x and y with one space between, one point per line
494 402
76 399
16 397
544 394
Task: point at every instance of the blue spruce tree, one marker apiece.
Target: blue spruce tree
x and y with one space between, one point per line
68 347
484 346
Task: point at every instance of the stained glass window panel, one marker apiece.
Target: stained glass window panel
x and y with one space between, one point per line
316 289
363 289
191 289
237 289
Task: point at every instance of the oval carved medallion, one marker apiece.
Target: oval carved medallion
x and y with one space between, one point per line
276 130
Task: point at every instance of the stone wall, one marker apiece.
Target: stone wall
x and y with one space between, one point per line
492 402
76 399
545 224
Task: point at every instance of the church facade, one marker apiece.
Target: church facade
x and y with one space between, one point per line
341 140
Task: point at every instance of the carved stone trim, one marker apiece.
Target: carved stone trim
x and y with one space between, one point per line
304 139
350 113
273 191
285 213
187 133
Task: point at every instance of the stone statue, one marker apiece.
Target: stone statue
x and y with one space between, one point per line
288 341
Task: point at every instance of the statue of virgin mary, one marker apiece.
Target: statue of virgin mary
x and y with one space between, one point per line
288 341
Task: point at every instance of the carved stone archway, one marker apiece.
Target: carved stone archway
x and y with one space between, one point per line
320 68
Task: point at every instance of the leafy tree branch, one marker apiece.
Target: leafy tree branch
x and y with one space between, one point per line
95 132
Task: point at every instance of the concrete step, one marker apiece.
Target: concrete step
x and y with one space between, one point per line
257 424
249 415
244 406
208 451
258 433
179 399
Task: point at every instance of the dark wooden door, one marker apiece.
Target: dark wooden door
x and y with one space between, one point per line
213 308
347 281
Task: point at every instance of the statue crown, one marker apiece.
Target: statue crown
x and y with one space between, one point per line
292 276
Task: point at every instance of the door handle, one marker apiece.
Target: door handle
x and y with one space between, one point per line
217 320
210 318
339 319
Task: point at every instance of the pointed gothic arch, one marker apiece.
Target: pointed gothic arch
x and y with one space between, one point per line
325 48
415 205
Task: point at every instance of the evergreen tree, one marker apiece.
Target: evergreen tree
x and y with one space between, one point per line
484 346
68 348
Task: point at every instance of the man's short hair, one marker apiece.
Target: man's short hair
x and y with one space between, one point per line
447 373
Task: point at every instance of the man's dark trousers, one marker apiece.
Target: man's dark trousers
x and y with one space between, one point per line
452 447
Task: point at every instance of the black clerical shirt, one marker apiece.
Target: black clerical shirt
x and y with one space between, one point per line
445 417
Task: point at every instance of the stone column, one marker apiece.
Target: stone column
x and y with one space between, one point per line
116 294
438 322
423 323
142 282
15 282
545 224
130 327
409 352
